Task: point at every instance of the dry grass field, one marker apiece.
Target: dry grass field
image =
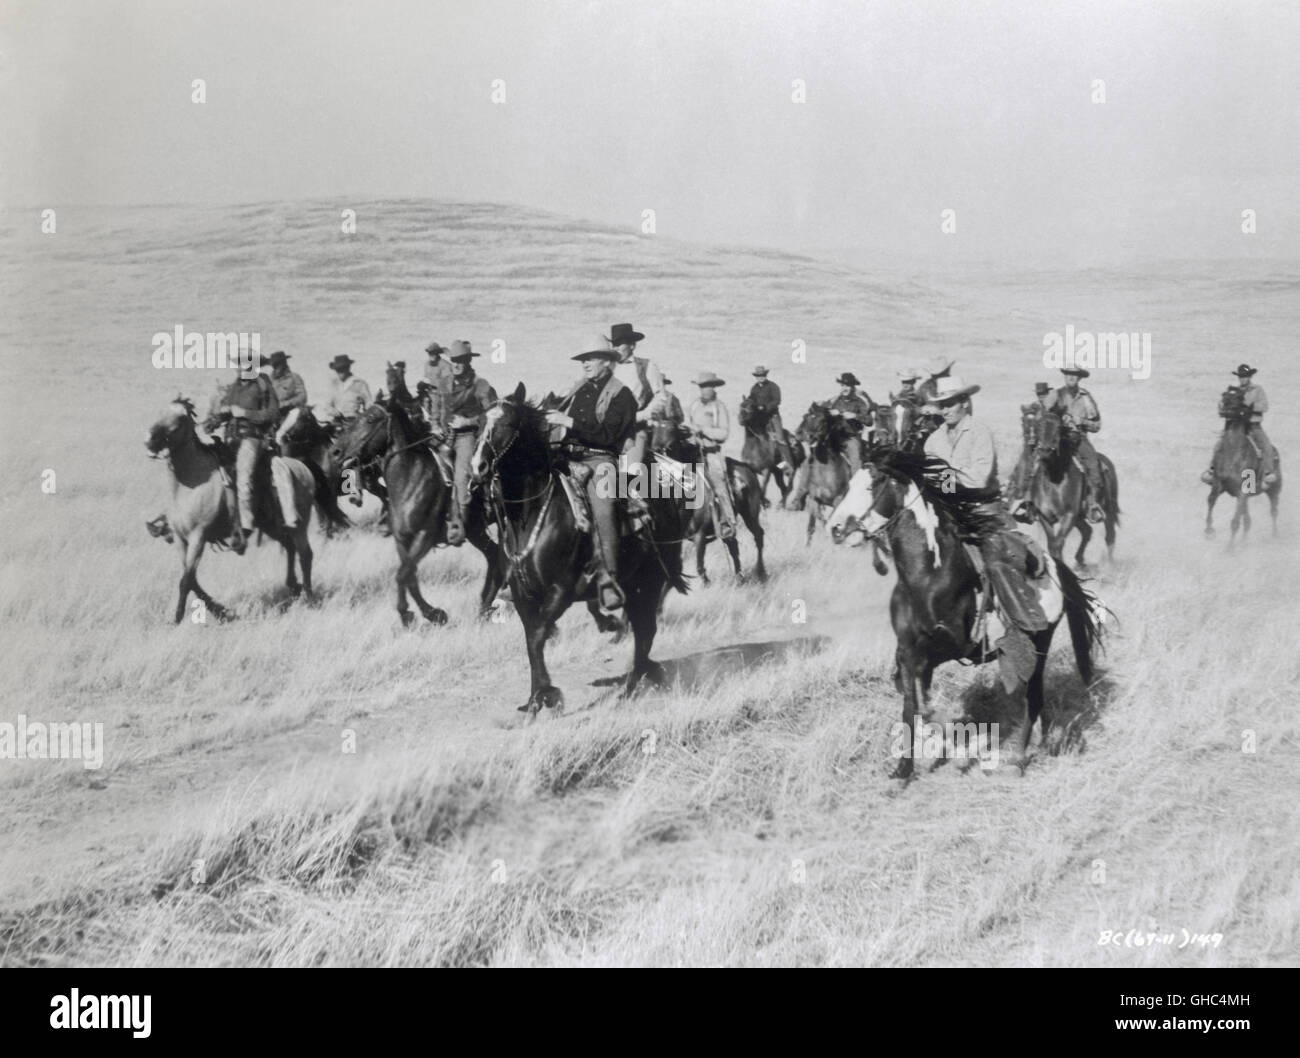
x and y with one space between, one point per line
313 785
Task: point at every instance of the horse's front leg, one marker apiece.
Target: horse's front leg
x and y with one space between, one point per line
1209 510
303 547
545 694
906 680
1085 535
699 554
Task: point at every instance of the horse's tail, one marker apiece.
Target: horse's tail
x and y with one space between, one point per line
1081 606
1113 480
327 503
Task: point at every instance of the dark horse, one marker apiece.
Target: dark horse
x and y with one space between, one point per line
549 558
418 491
201 513
1238 471
900 424
1054 487
362 474
312 444
672 441
824 435
934 608
761 452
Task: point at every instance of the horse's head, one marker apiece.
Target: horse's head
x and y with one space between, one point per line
862 508
363 439
815 427
665 435
1051 436
173 427
504 423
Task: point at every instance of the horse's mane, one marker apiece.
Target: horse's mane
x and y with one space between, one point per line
187 404
962 506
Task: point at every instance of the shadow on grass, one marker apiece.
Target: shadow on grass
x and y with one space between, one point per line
707 667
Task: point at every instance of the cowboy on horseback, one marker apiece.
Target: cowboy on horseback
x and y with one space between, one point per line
250 411
1029 415
644 380
1080 417
1005 556
349 395
857 410
907 379
1246 405
765 400
463 411
290 394
665 407
710 426
599 415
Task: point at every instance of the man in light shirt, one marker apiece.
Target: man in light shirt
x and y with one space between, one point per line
710 424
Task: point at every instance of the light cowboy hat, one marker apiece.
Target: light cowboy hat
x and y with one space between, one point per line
599 349
708 378
910 373
1075 369
940 364
951 389
341 362
760 371
622 334
434 347
460 350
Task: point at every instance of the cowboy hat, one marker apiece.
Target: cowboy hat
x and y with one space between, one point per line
667 381
848 379
434 347
940 364
278 357
622 334
1042 387
910 373
599 349
708 378
951 389
1245 371
760 371
1074 369
460 350
341 361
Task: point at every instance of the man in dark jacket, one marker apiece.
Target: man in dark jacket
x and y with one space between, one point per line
463 412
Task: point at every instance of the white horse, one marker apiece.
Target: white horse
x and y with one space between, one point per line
202 511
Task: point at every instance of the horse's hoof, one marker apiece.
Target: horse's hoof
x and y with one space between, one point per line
1209 534
903 771
654 672
435 616
550 698
407 617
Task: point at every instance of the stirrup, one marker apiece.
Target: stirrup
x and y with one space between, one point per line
1208 477
607 590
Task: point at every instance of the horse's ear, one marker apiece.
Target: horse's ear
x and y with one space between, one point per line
518 395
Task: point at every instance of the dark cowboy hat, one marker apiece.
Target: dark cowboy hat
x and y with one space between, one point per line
1042 387
848 379
1245 371
667 381
622 333
460 351
434 347
1074 369
599 349
400 365
341 361
278 357
708 378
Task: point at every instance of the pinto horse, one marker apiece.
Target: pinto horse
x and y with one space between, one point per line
549 558
1239 472
417 495
934 607
1054 487
201 513
672 441
761 453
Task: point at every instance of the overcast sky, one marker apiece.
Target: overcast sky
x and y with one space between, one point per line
912 107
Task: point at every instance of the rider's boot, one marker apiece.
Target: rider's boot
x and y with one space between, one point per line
1208 476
